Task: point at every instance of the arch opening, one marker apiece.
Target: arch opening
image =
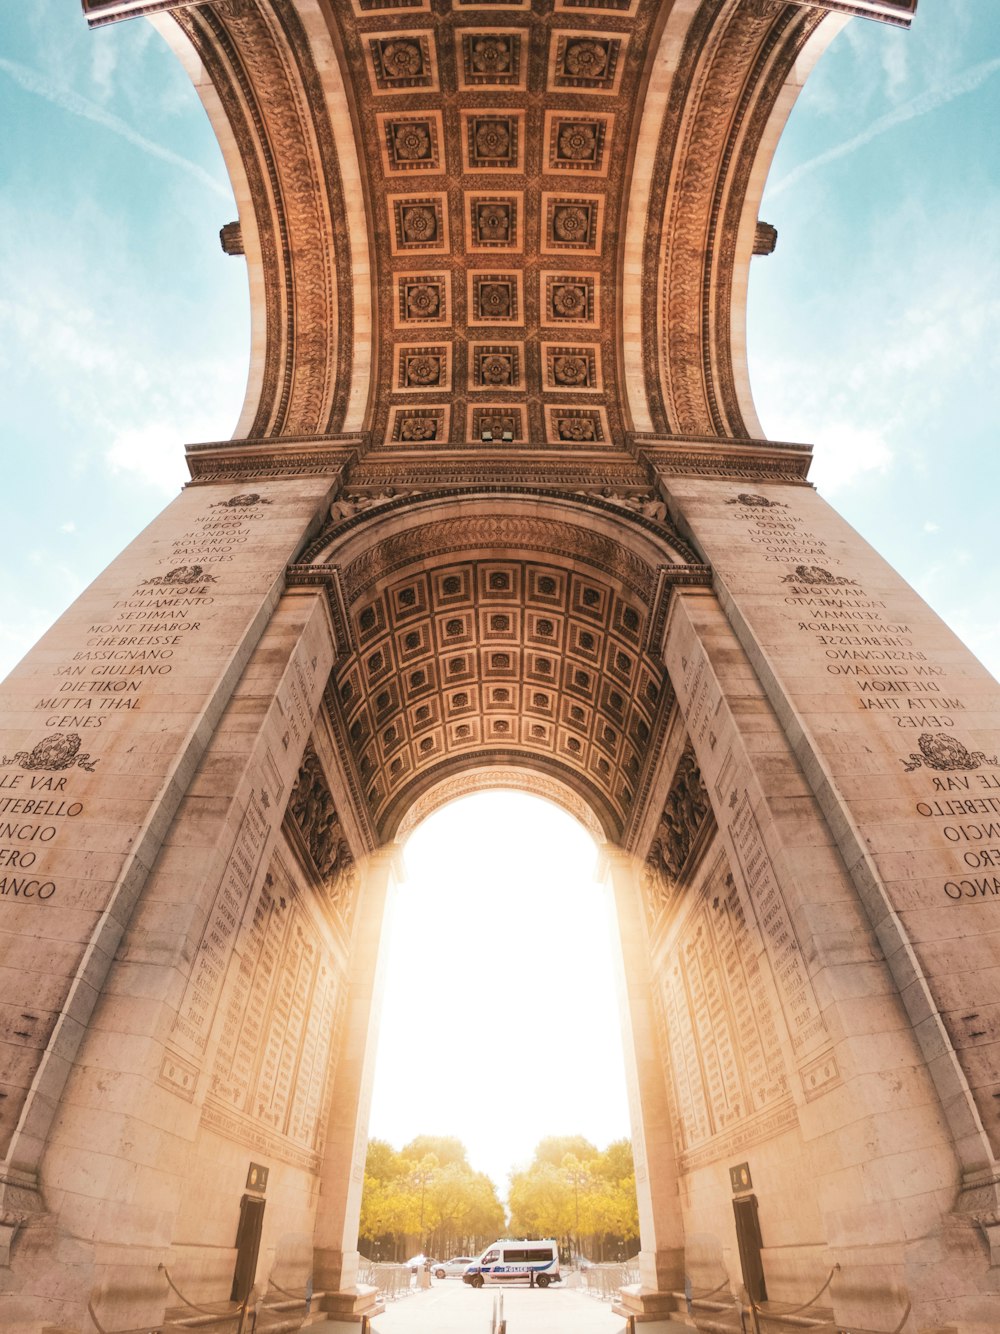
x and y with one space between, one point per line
500 1021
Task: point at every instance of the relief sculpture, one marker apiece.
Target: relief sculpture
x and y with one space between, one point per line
312 808
684 814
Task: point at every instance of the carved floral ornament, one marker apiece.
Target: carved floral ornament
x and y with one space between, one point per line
491 55
577 142
402 60
495 369
412 141
570 370
419 223
423 300
493 222
423 370
571 223
586 59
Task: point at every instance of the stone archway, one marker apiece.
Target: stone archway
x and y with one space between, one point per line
497 504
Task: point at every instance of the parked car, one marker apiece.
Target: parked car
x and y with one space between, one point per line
420 1261
453 1268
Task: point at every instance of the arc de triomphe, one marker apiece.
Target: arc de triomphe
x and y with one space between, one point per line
498 510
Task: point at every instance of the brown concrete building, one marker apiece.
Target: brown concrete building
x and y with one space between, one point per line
499 510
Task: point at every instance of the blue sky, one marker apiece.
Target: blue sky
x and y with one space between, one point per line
873 330
123 327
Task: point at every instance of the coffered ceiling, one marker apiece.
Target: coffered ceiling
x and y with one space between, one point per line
511 224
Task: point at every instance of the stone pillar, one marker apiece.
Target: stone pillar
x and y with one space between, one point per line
893 726
106 724
661 1228
343 1171
897 727
102 726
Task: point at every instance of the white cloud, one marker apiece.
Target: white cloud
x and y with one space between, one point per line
966 82
153 453
846 451
75 105
931 527
104 67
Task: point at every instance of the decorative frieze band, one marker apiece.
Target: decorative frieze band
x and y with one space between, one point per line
100 12
712 456
898 12
263 460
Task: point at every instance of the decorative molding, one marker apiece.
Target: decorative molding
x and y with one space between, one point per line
634 500
710 456
510 470
733 64
100 12
471 781
326 577
898 12
261 460
261 64
520 534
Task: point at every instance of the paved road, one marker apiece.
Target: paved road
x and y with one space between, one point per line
451 1307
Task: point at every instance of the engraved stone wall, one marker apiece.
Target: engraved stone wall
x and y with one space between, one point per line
727 1075
274 1067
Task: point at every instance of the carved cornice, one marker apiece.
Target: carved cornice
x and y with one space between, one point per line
898 12
101 12
709 456
542 471
328 578
262 460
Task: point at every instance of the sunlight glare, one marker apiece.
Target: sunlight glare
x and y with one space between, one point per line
500 1016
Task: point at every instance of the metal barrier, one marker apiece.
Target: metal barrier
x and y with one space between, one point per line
392 1281
603 1281
240 1312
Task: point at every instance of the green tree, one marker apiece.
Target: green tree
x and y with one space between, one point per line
445 1148
426 1197
554 1149
579 1194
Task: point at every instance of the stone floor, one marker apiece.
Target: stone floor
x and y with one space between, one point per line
450 1307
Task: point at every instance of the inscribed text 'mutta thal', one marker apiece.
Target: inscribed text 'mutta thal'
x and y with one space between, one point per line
498 513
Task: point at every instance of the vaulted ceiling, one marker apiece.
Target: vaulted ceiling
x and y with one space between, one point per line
520 222
498 255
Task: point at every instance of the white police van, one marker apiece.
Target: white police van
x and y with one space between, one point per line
516 1261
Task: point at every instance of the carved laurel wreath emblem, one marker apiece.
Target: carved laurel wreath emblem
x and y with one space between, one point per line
182 574
241 502
61 750
753 501
816 576
940 751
